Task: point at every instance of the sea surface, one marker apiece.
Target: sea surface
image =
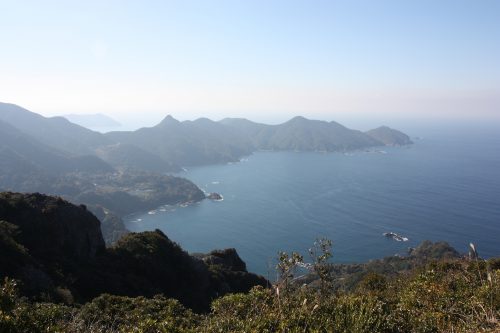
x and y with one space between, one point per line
446 186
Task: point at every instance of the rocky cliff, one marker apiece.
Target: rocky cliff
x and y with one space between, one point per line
56 250
51 226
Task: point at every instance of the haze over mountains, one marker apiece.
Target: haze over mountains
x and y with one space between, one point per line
172 144
97 120
119 173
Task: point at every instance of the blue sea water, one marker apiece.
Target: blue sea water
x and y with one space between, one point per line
444 187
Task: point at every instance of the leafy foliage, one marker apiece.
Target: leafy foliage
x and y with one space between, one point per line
445 296
432 290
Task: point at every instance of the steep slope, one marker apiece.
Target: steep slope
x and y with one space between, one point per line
112 226
57 132
53 246
28 165
50 238
23 150
188 143
389 136
69 232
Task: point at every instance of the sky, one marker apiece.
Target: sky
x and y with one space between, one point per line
138 61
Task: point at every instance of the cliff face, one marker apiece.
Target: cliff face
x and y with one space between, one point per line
228 258
149 263
52 245
52 227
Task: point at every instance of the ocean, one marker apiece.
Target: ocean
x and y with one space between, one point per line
446 186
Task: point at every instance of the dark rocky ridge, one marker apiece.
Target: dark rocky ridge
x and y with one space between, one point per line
51 245
112 226
52 227
228 258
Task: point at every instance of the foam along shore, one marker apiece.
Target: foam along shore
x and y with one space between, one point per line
395 236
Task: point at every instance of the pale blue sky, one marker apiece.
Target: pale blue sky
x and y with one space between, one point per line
264 60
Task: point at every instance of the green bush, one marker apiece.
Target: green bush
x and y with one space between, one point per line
455 295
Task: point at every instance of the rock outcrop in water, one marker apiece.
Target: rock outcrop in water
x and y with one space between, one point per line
214 196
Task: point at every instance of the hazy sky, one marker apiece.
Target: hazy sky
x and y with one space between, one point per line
264 60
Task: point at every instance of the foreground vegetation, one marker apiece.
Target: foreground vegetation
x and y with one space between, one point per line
454 295
56 275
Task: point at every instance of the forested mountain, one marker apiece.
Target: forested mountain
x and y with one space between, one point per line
204 141
173 144
188 143
57 132
125 156
389 136
27 153
124 172
303 134
60 134
54 156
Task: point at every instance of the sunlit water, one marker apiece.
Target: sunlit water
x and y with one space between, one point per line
444 187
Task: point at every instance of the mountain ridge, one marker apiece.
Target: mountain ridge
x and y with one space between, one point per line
229 139
97 120
172 144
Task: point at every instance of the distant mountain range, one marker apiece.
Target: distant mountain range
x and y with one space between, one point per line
301 134
188 143
204 141
124 172
172 144
97 120
27 153
74 140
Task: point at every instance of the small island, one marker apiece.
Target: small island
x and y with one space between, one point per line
215 196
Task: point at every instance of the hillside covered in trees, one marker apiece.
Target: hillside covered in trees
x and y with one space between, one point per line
119 173
172 143
59 277
56 250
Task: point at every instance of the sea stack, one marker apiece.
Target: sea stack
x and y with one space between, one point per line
214 196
